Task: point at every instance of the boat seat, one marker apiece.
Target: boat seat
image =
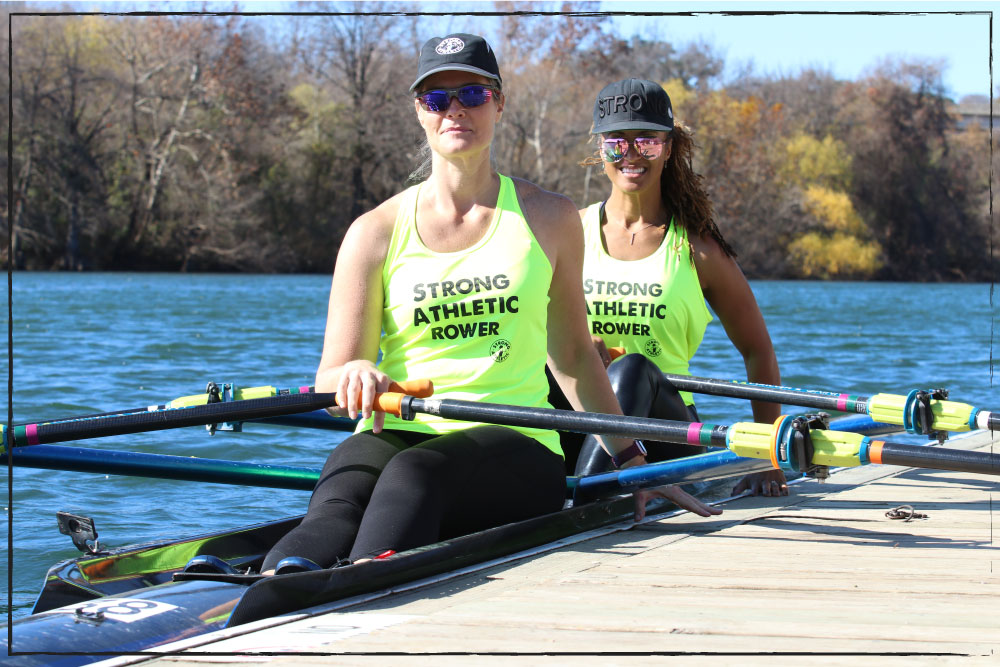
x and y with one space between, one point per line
210 564
293 564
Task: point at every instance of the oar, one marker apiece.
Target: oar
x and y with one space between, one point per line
792 444
214 393
920 412
125 422
701 467
164 466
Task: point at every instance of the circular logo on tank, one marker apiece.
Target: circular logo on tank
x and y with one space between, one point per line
500 350
450 45
652 348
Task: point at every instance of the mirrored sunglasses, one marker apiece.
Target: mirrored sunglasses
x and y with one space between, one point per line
614 149
468 96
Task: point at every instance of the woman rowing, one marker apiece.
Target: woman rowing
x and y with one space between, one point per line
653 256
448 271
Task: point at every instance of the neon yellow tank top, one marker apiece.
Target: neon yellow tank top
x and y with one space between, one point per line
652 305
473 321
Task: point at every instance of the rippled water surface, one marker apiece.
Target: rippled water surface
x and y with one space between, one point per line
97 342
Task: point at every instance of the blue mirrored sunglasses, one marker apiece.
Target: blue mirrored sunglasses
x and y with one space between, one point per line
468 96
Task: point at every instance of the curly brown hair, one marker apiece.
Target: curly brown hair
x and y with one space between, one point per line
683 189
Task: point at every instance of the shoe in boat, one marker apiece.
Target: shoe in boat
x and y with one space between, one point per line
293 564
206 563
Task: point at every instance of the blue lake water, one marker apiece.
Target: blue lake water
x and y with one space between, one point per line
97 342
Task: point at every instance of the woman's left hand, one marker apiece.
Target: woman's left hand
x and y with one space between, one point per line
677 496
766 483
602 350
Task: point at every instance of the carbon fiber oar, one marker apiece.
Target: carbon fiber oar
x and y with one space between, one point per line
714 465
794 444
213 394
157 419
164 466
921 412
216 471
226 392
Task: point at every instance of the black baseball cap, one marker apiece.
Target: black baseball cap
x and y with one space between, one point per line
458 51
632 104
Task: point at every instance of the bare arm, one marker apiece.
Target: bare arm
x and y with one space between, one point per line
727 291
354 318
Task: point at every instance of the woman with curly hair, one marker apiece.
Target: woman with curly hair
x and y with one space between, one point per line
653 256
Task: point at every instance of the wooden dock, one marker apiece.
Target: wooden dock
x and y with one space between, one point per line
823 571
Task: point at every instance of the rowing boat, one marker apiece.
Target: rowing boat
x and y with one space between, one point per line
136 598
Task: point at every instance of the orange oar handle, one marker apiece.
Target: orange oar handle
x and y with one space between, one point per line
616 352
416 388
391 400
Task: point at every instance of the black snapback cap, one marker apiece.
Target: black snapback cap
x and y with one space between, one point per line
632 104
459 51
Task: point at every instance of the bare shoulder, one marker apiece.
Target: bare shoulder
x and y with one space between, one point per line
717 271
707 249
543 208
371 232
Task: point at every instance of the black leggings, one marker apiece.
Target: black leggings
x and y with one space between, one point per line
642 391
399 489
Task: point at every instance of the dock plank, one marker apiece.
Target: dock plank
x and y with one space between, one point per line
821 572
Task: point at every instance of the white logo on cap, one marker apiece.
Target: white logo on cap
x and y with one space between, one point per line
450 45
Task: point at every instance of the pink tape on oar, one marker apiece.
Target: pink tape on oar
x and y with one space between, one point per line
842 402
694 433
31 433
305 390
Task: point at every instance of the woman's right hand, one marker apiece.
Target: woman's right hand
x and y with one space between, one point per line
359 381
677 496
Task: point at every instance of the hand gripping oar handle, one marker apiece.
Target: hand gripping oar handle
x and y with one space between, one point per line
421 388
921 412
790 443
196 415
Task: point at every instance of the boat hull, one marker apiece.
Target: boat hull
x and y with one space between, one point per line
136 621
193 604
137 598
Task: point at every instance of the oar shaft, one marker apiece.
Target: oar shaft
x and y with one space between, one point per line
703 467
186 411
956 460
822 400
317 419
992 420
162 466
919 412
747 439
700 468
577 422
141 422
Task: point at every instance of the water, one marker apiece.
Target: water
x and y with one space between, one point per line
96 342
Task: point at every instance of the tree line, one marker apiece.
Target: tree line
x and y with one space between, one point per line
240 143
